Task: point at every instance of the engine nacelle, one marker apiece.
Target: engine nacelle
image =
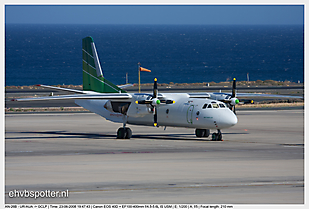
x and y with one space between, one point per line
139 111
108 106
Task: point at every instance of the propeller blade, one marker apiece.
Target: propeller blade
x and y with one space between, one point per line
143 102
234 96
167 101
234 88
155 117
155 88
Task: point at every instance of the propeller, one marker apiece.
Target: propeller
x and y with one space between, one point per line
234 100
154 102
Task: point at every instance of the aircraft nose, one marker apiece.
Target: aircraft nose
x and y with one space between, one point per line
233 120
229 120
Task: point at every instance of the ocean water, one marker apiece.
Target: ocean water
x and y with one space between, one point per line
51 54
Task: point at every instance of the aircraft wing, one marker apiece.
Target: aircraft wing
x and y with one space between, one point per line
267 95
199 95
239 95
79 96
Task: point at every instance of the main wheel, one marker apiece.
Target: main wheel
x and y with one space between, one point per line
207 133
128 133
199 132
121 133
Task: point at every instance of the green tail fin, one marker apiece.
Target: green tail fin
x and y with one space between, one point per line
93 79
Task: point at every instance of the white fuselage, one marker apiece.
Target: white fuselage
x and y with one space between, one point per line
187 112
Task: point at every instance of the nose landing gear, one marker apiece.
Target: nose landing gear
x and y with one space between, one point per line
217 136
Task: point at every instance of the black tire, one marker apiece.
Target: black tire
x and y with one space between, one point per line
207 133
214 137
121 133
128 133
199 132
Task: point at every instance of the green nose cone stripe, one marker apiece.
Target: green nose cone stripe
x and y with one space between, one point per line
158 102
236 101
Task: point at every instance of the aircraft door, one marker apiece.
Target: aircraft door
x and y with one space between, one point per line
189 114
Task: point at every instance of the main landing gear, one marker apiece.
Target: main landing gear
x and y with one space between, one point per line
124 133
206 133
202 132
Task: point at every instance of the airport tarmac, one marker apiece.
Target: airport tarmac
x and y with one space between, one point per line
260 161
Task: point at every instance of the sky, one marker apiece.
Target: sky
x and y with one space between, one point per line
154 14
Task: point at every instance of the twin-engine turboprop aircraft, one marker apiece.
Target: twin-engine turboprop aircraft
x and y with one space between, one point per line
190 110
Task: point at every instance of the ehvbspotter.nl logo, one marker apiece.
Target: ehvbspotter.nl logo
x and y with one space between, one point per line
38 194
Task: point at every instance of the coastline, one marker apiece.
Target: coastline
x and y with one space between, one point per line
172 84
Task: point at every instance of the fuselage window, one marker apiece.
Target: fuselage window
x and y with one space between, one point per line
222 105
215 105
205 105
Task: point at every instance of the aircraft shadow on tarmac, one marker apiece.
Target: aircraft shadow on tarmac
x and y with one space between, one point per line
67 135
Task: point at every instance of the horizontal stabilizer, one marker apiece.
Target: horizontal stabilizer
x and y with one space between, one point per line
125 86
62 89
78 96
80 91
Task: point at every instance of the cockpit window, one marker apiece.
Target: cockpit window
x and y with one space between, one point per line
215 105
205 105
222 105
209 106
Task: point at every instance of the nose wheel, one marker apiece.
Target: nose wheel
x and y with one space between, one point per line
217 136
